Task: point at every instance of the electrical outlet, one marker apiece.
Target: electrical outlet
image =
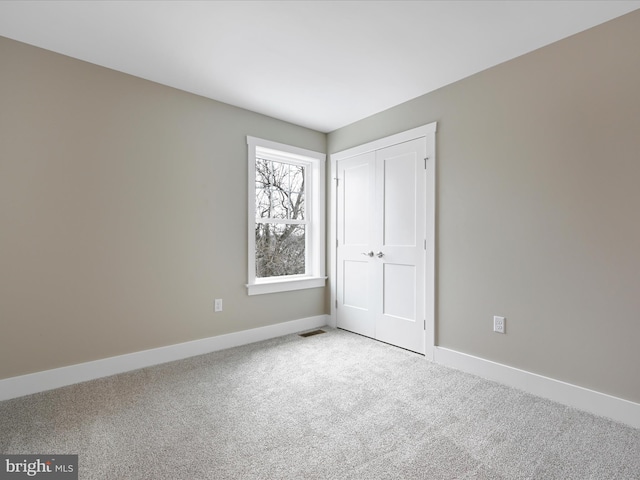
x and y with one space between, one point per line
217 305
499 324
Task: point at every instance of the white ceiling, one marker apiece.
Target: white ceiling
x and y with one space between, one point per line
320 64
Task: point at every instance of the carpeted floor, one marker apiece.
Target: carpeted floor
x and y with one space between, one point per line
330 406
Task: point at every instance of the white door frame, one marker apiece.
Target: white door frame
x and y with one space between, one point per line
428 132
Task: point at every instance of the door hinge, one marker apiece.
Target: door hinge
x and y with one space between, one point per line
337 243
336 303
424 324
425 162
425 243
337 181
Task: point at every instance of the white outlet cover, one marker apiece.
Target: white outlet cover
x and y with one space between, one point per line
499 324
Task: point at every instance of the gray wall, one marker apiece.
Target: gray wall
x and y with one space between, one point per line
123 211
538 207
123 214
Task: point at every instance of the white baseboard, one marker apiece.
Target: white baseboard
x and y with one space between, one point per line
581 398
59 377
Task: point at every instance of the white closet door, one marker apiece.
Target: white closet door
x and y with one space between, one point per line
381 235
356 195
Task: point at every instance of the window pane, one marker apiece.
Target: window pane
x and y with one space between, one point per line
280 250
279 190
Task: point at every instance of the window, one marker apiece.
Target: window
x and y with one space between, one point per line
286 217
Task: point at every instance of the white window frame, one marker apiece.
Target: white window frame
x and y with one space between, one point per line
314 163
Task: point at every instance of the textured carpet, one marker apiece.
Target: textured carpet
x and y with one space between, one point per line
330 406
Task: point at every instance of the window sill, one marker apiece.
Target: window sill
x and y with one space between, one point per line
285 285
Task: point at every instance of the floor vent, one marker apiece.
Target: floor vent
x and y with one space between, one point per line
310 334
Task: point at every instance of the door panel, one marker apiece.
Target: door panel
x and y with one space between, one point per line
399 286
356 204
355 284
400 234
399 196
380 251
354 231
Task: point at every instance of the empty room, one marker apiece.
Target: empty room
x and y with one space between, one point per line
320 240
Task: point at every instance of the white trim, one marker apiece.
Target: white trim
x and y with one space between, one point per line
286 284
408 135
597 403
332 236
428 132
282 147
59 377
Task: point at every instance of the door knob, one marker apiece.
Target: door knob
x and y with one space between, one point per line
380 254
369 254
